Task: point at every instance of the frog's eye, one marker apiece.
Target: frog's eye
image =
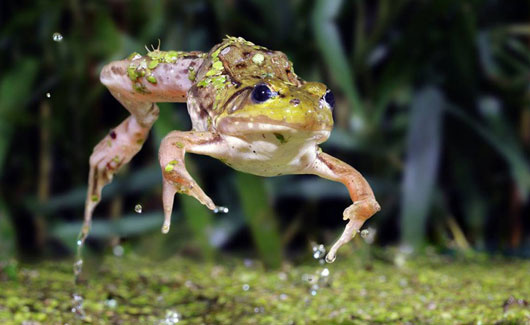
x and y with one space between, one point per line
329 99
261 93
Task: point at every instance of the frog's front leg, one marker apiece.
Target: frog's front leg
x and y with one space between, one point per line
176 178
364 203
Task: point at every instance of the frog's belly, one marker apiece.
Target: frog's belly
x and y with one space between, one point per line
267 156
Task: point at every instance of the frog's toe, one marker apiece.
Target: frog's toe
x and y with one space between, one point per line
177 181
357 213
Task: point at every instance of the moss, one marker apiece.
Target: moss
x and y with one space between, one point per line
430 290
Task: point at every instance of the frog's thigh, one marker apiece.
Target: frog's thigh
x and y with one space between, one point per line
176 178
364 203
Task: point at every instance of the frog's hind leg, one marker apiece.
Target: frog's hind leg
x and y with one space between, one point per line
176 178
364 203
138 96
116 149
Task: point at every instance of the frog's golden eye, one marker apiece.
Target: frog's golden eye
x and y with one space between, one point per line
261 93
329 98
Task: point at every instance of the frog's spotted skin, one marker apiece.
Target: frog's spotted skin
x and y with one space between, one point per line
248 109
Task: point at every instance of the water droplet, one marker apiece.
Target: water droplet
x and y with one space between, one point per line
325 272
138 208
365 233
111 303
172 317
313 292
78 266
117 250
368 235
57 37
48 95
308 278
246 287
318 251
220 209
77 307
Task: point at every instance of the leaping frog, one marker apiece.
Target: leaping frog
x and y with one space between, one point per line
248 109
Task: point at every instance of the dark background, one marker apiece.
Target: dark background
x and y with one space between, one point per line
433 107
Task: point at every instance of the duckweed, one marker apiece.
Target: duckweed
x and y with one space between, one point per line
434 290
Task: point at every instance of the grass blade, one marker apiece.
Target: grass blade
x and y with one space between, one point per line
423 151
260 218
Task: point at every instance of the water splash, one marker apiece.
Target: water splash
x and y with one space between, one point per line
365 233
172 317
368 235
321 277
77 302
78 267
138 208
319 251
220 209
77 306
57 37
111 303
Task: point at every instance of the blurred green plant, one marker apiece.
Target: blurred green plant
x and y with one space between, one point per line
433 107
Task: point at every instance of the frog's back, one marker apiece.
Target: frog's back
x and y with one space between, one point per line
231 68
243 60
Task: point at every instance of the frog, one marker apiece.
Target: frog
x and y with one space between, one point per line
248 109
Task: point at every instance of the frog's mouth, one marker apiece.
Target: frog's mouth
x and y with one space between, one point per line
263 124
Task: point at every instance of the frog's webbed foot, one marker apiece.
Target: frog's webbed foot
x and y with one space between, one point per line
364 205
176 178
115 150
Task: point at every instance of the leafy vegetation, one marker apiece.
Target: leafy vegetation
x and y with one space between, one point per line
433 107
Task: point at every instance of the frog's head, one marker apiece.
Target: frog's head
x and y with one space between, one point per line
255 90
273 105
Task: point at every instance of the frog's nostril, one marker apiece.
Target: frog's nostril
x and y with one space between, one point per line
294 101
